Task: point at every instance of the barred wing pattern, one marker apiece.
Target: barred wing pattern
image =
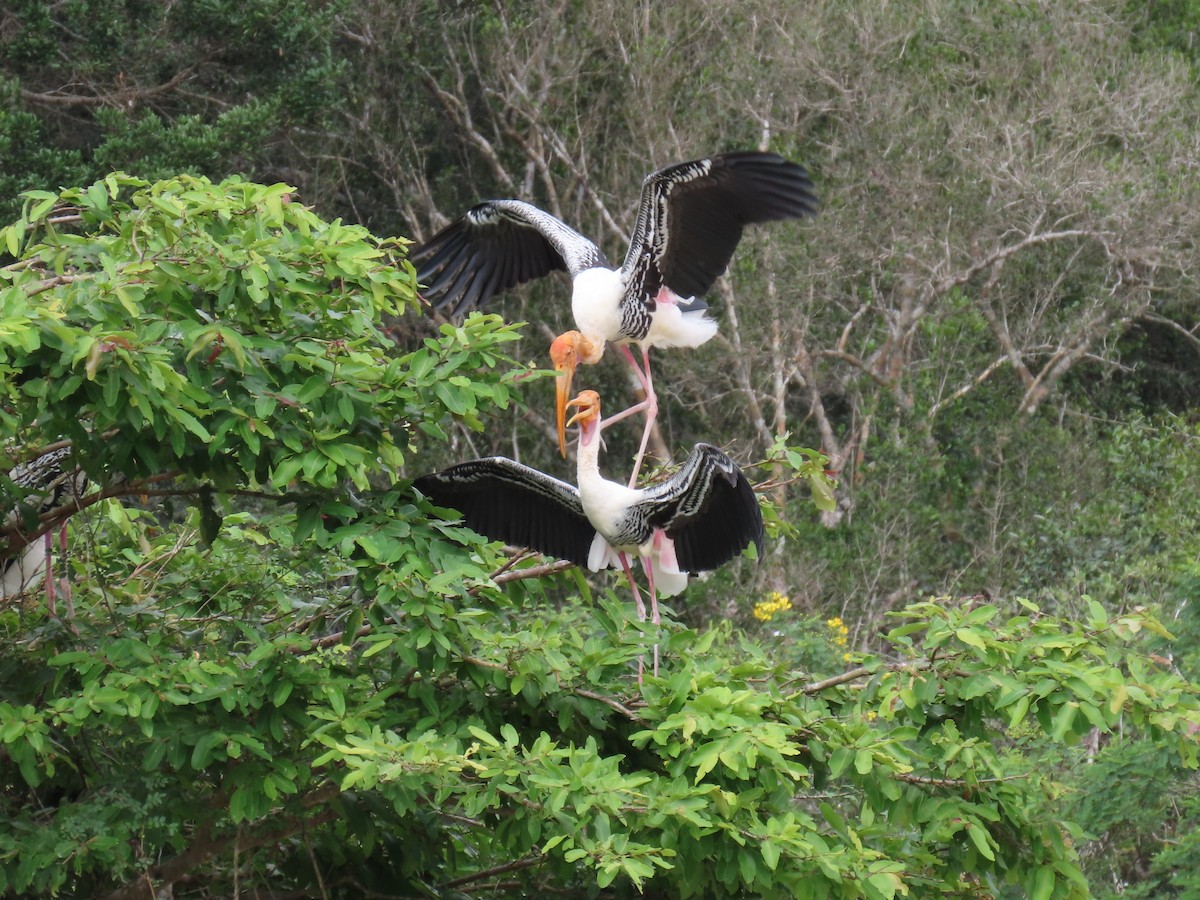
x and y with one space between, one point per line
708 509
692 215
50 483
507 501
495 246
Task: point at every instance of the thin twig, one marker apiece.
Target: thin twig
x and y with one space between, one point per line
954 782
513 866
610 702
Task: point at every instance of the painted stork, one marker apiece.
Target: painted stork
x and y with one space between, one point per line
695 521
689 221
50 483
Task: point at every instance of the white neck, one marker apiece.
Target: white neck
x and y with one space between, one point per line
605 502
587 457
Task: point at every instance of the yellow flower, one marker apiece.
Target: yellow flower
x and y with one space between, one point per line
776 602
840 632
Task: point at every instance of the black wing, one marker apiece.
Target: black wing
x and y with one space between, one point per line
708 509
495 246
692 215
506 501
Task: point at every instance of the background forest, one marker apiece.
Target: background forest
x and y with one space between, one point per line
974 675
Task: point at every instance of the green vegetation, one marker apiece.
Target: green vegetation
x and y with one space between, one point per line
278 673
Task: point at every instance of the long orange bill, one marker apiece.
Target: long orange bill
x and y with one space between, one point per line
566 373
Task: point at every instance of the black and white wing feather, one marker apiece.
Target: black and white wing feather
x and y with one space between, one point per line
692 215
506 501
495 246
708 509
42 485
45 483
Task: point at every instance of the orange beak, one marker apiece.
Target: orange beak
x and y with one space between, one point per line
564 352
588 406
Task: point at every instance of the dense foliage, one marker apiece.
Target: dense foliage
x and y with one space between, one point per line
202 86
329 690
990 331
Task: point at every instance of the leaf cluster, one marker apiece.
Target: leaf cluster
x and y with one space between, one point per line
343 693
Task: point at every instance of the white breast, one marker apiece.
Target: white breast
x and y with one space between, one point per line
596 303
26 571
606 503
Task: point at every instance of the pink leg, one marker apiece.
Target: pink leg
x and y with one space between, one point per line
637 601
625 414
650 404
654 617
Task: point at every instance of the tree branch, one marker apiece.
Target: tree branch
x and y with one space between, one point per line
999 257
966 388
956 783
741 363
514 866
456 108
852 675
125 97
1188 333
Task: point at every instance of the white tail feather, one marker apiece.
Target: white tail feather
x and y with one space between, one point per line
675 327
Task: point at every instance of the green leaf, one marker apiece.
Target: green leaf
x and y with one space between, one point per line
1063 720
12 237
1043 883
1019 710
979 837
482 735
864 762
378 646
885 883
970 637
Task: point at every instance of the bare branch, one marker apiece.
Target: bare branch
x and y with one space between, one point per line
999 257
969 386
732 336
125 97
851 675
1189 333
514 866
455 106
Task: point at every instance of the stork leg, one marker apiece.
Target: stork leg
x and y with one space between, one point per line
654 617
52 582
650 405
641 610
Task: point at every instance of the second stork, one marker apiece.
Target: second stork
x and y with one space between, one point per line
695 521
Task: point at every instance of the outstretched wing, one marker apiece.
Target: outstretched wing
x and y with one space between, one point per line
495 246
506 501
708 509
692 215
